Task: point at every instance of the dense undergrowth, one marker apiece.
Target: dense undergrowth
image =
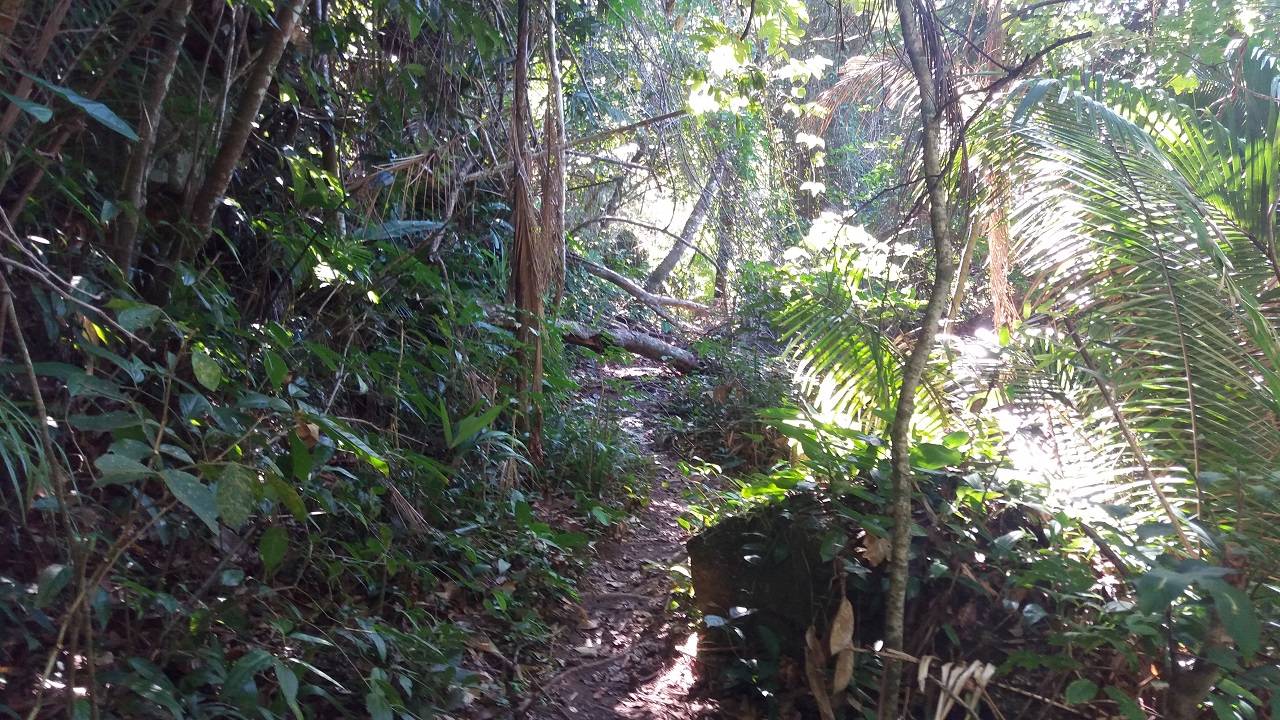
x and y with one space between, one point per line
294 420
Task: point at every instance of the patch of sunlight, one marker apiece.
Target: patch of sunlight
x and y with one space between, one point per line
669 688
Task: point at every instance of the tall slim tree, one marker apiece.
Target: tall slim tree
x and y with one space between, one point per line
691 226
929 67
537 251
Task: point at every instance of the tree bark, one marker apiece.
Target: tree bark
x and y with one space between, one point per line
33 61
553 159
237 135
912 15
524 287
10 11
133 191
1188 687
724 247
691 226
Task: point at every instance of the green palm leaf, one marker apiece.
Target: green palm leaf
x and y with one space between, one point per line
1139 225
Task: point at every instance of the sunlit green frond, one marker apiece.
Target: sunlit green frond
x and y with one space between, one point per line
852 366
1139 253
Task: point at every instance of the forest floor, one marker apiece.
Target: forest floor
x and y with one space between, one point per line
630 652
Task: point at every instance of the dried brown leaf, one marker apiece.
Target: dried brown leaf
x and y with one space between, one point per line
841 637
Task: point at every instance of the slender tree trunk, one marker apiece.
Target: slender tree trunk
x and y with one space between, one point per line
237 135
33 61
691 226
524 287
133 191
553 179
912 16
724 247
329 142
10 11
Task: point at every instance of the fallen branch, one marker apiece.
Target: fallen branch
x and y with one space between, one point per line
638 343
659 303
631 341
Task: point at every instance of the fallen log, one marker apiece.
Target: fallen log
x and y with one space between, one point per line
631 341
637 343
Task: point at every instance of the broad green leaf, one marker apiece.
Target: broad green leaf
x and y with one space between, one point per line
1081 691
300 457
467 427
137 316
152 684
105 422
1237 614
524 513
236 497
571 540
288 680
53 578
118 469
272 547
207 370
276 369
378 705
933 456
194 494
95 109
1131 709
1158 587
34 109
956 439
353 442
239 687
288 496
132 449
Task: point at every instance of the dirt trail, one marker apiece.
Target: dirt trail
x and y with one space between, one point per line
629 656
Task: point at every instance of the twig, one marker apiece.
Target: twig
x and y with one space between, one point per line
602 662
1121 568
750 16
611 160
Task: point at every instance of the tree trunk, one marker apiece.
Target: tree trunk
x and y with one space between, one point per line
691 227
10 11
724 248
658 303
32 63
133 192
923 66
524 287
553 180
237 135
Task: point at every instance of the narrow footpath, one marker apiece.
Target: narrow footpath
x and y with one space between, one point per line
630 654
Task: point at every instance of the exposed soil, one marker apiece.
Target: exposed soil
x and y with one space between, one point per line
629 654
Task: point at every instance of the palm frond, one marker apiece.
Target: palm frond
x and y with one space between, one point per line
1138 251
851 364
